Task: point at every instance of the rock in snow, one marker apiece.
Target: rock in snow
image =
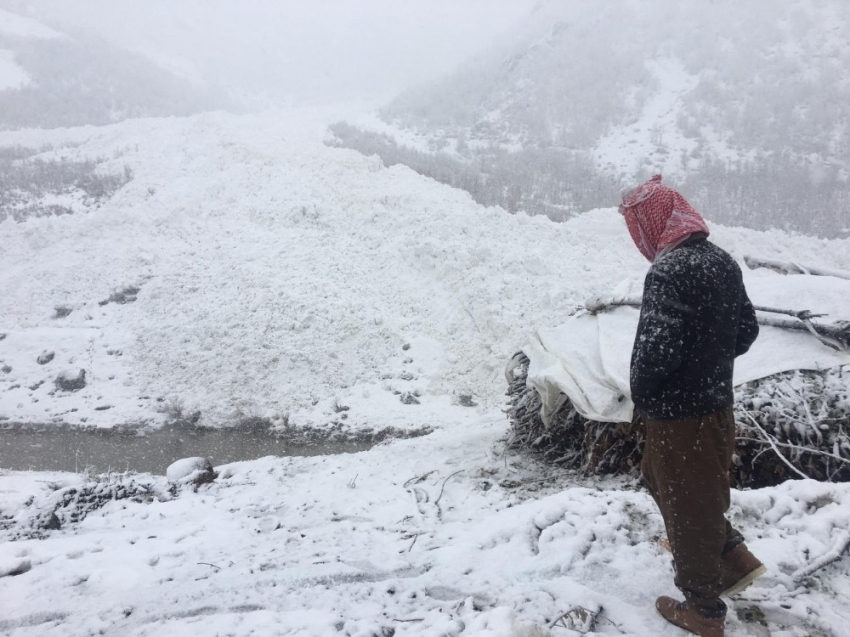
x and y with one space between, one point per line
45 357
68 381
194 470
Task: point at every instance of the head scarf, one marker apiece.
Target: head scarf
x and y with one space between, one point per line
659 218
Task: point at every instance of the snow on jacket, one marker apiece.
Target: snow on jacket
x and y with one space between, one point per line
659 218
695 319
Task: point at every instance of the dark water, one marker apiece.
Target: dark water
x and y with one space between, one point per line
64 449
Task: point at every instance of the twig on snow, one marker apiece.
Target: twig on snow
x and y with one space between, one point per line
437 501
582 619
836 553
418 479
410 548
215 566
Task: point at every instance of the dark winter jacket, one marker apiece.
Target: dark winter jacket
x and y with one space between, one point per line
695 319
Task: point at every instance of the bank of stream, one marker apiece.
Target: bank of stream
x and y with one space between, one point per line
24 448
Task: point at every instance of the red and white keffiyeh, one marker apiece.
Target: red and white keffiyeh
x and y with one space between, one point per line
659 218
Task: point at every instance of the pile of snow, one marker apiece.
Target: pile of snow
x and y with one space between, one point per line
187 469
276 276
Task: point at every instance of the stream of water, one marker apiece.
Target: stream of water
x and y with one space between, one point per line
68 449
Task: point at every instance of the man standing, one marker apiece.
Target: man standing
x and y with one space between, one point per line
695 319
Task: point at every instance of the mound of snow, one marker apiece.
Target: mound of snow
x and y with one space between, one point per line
278 276
188 467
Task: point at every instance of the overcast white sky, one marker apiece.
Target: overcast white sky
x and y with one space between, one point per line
299 50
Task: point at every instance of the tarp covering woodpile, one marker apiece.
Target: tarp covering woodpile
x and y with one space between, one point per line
570 399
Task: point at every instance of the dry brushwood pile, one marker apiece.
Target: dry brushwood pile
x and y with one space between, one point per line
791 425
71 504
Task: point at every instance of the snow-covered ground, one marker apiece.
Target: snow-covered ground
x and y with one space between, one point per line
277 276
442 535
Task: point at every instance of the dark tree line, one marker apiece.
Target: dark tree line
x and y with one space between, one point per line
772 192
537 181
25 180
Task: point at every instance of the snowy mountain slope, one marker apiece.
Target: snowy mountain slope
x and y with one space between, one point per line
276 275
17 25
49 79
577 71
744 105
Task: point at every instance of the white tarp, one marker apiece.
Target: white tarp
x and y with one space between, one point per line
587 358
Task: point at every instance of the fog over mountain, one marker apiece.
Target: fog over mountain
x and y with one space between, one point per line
52 79
745 106
268 53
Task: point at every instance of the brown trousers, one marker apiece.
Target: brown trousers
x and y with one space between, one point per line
686 468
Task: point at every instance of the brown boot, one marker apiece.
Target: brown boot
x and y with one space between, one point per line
739 569
683 615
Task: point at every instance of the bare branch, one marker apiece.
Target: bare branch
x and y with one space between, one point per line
772 442
835 335
788 267
437 501
836 553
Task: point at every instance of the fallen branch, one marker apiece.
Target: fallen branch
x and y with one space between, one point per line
437 501
789 267
838 550
600 304
803 315
835 335
418 479
208 564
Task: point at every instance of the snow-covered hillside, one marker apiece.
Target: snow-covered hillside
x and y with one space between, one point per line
272 275
745 105
50 78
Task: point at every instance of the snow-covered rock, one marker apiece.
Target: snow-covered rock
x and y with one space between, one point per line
14 566
195 470
71 381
